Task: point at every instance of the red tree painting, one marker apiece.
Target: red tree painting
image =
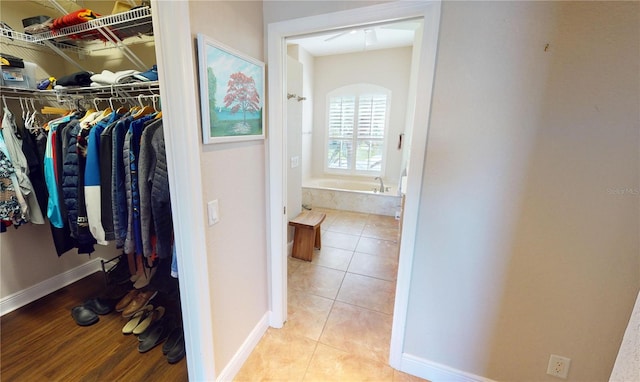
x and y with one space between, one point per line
242 93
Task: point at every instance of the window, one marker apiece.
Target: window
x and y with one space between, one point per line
357 121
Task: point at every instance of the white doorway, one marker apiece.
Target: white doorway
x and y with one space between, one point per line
429 13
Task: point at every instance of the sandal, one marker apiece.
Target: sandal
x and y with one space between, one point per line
135 320
152 316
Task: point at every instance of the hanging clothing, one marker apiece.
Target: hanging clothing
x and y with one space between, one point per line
118 184
70 174
131 151
10 209
106 178
36 168
85 238
13 143
146 168
161 197
92 178
54 209
136 127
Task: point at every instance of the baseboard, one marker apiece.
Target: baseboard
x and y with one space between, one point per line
436 372
43 288
233 367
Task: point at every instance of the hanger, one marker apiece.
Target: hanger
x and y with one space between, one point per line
21 108
54 110
144 110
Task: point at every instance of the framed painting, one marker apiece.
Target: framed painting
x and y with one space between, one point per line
231 93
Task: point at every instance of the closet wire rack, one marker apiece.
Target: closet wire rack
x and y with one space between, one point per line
81 38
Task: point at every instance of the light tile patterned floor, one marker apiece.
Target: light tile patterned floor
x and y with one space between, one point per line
337 330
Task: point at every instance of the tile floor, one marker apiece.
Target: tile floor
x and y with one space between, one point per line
340 308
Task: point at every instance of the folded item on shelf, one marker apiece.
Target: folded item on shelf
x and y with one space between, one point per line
34 20
12 61
41 27
46 84
76 79
78 17
149 75
108 77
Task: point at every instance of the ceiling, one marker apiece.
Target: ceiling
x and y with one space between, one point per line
359 39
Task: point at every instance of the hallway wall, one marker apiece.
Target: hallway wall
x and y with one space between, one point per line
528 221
234 174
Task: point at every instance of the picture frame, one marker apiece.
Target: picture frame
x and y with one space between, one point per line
231 93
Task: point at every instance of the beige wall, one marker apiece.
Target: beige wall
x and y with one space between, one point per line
234 174
528 220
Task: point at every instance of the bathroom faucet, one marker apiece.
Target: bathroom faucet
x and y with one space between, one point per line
381 184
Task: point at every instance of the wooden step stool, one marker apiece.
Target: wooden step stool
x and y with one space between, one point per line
307 234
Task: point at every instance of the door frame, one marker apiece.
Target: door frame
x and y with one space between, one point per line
277 33
174 52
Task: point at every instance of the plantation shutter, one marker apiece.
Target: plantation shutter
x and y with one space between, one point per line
355 139
341 116
372 109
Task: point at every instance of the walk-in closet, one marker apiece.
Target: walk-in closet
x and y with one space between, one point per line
88 271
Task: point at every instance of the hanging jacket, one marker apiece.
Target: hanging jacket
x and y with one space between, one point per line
56 211
136 127
106 177
118 188
161 198
85 239
92 179
129 246
36 169
54 208
70 175
146 166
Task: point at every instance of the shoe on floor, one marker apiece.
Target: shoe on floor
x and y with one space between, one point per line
172 340
138 302
136 319
177 352
144 279
153 316
126 300
98 306
84 316
156 334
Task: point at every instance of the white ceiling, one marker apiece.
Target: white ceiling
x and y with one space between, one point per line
359 39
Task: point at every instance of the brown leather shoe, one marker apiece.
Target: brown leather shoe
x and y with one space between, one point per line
126 300
139 302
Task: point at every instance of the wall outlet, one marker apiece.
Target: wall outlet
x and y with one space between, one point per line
558 366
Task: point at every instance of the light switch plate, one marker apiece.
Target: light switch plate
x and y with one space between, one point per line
213 212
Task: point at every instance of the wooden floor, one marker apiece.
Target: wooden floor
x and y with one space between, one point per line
41 342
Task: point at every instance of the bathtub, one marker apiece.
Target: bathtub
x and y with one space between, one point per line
351 195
